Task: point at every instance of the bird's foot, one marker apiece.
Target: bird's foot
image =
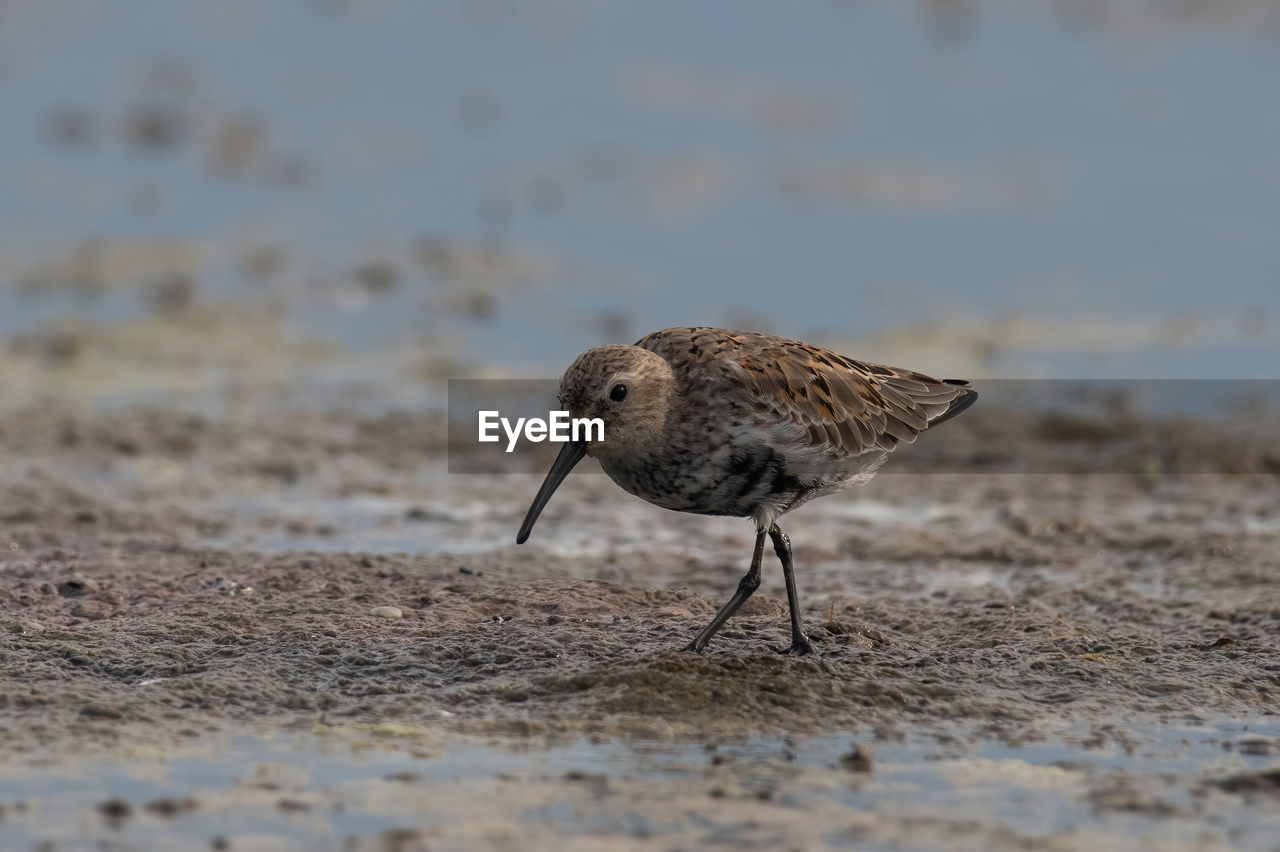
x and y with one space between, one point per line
800 645
692 647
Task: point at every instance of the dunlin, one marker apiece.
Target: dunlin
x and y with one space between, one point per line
733 423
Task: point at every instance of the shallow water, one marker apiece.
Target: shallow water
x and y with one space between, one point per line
1102 176
339 788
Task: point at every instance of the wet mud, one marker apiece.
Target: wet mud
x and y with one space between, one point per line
1008 605
170 580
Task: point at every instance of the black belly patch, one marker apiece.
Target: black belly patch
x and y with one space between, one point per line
751 471
785 484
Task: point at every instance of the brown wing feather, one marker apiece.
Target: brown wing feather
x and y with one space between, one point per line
838 404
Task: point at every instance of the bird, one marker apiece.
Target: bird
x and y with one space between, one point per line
718 422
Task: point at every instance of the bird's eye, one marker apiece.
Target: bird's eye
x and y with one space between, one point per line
619 393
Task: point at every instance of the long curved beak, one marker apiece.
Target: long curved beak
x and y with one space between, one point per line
570 454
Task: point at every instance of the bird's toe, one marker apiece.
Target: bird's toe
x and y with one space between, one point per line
800 645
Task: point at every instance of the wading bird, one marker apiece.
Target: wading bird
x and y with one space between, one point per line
720 422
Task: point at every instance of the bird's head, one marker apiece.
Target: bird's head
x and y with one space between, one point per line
630 390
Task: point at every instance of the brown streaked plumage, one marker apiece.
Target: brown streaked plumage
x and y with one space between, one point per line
720 422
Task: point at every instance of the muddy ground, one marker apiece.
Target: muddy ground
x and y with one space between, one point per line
170 577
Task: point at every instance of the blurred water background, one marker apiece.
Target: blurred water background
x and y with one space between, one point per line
368 196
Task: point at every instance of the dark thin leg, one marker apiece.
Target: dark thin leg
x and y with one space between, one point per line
746 586
782 546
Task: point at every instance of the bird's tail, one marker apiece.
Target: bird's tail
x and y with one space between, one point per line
965 397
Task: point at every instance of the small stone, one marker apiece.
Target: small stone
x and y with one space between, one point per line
169 808
115 810
1266 781
1254 745
402 840
72 588
859 759
228 587
388 612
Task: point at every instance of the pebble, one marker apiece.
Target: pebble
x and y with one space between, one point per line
228 587
115 809
859 759
1254 745
388 612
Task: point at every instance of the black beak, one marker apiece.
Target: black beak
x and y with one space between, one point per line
570 454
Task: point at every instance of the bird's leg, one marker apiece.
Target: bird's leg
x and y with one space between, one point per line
782 546
746 586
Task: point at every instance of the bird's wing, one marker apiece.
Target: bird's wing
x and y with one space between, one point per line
822 401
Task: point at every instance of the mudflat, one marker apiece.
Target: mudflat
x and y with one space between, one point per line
172 579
